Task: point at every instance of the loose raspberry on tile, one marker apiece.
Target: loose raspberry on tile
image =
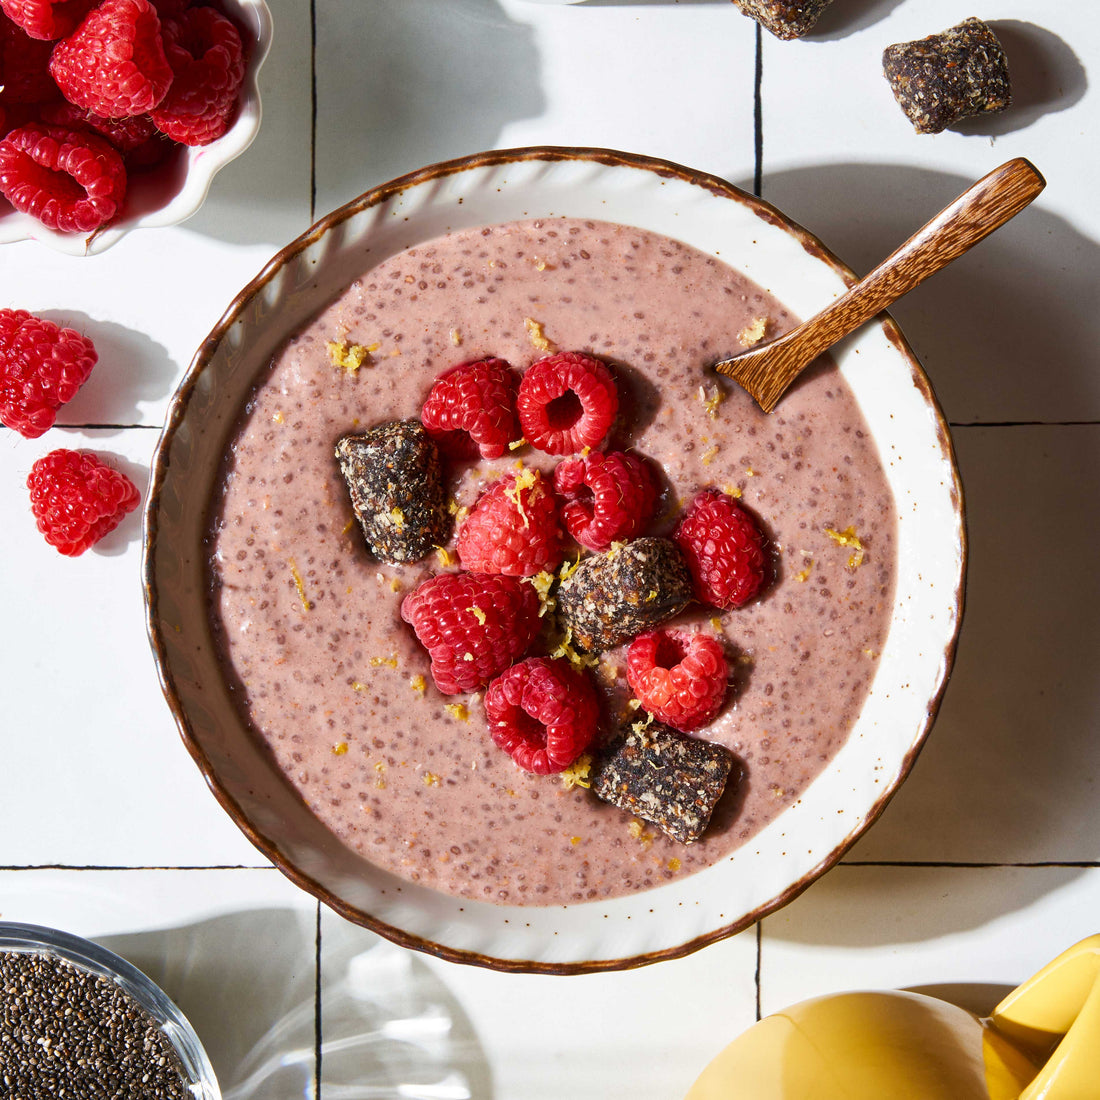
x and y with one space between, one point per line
70 180
606 497
513 528
24 66
680 677
566 402
113 64
41 367
77 498
543 713
471 409
205 53
472 625
724 549
47 19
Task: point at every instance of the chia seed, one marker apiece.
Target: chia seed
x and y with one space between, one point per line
65 1032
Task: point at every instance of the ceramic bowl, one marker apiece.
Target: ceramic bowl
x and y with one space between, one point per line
173 192
897 403
96 960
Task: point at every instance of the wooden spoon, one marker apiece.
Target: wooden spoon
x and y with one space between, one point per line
768 369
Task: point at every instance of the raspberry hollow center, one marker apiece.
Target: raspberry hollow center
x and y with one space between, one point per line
563 412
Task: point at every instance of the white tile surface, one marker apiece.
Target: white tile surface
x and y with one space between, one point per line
95 774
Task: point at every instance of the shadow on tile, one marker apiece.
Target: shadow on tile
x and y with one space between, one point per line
1046 78
1002 331
404 85
862 907
263 195
840 20
132 370
247 981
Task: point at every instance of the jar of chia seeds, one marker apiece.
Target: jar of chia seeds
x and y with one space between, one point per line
78 1021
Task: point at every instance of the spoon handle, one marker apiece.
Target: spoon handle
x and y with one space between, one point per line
976 213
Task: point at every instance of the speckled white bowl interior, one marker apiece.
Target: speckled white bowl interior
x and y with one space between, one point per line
168 195
900 410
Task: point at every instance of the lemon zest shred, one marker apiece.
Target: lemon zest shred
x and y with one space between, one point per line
577 774
378 662
457 710
299 584
431 779
753 332
350 357
418 683
537 335
479 615
848 537
340 749
444 556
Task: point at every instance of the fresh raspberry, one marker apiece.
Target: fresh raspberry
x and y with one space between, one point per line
566 402
607 497
113 64
47 19
471 409
41 367
472 625
70 180
24 61
205 52
543 713
76 499
678 676
125 134
724 549
513 528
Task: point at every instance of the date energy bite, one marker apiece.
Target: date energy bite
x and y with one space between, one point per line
784 18
944 78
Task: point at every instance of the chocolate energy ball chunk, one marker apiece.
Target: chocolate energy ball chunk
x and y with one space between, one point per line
395 478
784 18
946 77
665 777
633 587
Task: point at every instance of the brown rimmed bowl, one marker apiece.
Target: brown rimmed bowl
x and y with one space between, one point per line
808 837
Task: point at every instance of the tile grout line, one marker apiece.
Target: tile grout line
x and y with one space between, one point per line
758 115
317 1009
312 110
759 962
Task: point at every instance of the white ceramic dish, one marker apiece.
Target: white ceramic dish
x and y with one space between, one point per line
168 195
898 405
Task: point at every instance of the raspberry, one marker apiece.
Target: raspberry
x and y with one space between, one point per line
543 713
471 409
678 676
566 402
77 499
47 19
69 180
125 134
473 626
724 549
24 75
113 64
513 528
608 497
205 53
41 367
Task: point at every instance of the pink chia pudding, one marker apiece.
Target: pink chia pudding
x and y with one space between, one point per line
337 687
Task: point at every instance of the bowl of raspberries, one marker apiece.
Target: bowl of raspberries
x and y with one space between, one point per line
494 618
116 114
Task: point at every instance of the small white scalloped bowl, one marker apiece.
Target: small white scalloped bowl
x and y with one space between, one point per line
168 195
809 836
